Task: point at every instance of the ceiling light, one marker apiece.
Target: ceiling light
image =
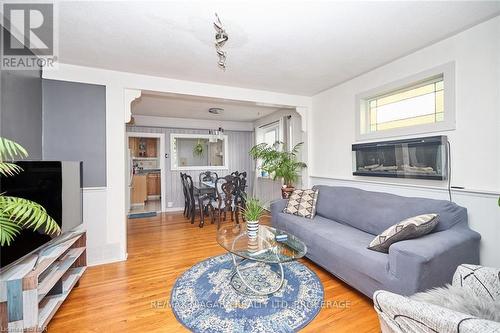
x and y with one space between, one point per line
216 110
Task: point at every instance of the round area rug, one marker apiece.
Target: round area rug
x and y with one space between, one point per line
204 301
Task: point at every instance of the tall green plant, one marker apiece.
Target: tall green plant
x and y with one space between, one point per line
279 162
253 210
18 213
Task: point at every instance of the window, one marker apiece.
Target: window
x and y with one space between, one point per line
420 104
416 105
269 133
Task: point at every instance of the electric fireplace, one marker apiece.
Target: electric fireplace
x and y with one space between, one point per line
423 158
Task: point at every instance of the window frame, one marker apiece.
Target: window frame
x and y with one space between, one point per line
273 126
276 125
362 121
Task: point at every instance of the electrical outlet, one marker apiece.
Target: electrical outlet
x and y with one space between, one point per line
170 204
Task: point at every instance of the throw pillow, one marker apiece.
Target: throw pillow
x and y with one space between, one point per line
302 203
412 227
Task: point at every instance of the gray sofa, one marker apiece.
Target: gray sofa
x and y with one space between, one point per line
346 221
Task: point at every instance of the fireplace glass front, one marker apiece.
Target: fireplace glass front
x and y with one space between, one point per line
423 158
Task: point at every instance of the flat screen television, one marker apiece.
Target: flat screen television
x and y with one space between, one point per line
57 186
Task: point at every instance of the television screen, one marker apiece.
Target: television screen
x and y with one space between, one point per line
55 185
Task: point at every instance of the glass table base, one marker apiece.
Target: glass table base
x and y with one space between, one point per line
254 278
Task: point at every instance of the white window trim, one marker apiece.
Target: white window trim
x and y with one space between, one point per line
448 124
173 157
259 138
260 131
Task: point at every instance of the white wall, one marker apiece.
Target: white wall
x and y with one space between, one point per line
475 141
192 123
106 220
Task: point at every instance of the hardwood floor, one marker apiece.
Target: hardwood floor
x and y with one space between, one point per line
127 296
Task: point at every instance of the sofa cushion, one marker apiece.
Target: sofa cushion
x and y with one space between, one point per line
373 212
407 229
335 245
302 203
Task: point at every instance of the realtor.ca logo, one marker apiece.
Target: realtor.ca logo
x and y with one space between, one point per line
28 35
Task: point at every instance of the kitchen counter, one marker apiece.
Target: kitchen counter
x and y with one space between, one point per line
146 171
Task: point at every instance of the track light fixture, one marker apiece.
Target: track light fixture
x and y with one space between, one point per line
221 38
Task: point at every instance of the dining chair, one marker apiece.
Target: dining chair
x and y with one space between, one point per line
224 191
186 196
239 193
195 200
208 176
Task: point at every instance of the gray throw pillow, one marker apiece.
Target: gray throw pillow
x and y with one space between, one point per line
302 203
412 227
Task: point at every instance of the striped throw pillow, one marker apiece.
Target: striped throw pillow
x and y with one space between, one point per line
412 227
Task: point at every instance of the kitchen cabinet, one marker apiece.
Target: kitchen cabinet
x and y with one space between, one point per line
151 147
133 144
139 189
154 184
158 184
143 147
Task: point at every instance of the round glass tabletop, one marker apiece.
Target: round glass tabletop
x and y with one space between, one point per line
263 248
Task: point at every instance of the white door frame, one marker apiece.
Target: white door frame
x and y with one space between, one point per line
161 137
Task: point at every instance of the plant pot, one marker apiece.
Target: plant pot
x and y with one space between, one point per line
253 245
252 229
286 191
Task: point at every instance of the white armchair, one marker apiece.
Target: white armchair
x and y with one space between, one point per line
401 314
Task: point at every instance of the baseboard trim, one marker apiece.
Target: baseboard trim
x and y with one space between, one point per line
174 209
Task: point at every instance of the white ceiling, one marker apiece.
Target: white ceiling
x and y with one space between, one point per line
193 107
299 47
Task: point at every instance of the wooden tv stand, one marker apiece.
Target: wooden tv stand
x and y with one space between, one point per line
32 290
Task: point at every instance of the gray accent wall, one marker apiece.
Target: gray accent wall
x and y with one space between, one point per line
239 144
74 127
21 109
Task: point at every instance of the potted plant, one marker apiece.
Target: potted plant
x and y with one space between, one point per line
18 213
198 149
279 163
252 213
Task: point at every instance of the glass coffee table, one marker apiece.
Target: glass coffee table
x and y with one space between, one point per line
258 261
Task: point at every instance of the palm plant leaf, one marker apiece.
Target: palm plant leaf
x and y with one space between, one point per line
17 213
8 229
9 169
10 150
278 162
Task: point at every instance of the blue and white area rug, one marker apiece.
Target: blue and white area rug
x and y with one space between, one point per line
204 301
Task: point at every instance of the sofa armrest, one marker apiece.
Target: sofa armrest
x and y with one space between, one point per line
431 260
277 206
483 281
401 314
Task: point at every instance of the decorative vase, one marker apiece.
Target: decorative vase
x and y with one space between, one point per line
286 191
252 229
253 245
